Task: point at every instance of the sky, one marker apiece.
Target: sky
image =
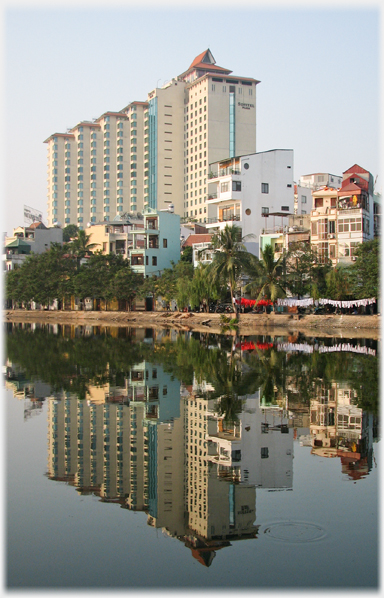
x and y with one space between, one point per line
318 69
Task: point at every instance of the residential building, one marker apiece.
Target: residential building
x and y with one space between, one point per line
114 236
303 199
157 245
343 218
284 237
320 179
151 242
254 191
153 153
35 238
199 242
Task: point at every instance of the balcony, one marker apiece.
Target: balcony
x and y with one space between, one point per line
232 218
223 172
212 195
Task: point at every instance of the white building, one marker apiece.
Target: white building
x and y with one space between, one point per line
303 200
35 238
254 191
320 179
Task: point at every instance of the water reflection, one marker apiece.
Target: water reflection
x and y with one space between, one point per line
185 426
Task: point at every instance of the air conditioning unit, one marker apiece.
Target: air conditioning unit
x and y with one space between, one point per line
331 236
353 258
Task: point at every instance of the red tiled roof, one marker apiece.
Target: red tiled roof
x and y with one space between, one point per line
37 224
198 59
350 188
197 239
355 169
211 67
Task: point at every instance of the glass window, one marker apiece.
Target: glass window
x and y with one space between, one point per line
236 185
265 187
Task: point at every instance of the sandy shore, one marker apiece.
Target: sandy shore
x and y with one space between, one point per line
346 326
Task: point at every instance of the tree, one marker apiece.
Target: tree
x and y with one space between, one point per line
69 232
230 258
203 288
94 278
187 254
125 285
81 246
305 271
365 271
337 281
267 275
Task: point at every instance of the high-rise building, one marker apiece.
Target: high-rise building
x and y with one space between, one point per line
153 153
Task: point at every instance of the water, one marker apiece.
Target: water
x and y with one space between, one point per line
153 459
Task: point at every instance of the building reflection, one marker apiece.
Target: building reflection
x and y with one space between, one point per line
157 446
190 458
340 429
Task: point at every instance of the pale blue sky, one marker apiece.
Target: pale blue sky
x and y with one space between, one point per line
319 73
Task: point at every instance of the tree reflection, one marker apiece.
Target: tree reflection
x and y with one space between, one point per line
213 364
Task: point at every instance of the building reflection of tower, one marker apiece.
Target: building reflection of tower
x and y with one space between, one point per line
341 429
32 392
218 509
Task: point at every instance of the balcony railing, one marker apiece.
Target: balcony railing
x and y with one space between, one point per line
226 219
226 171
223 172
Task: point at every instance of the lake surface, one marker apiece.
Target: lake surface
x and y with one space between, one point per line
150 459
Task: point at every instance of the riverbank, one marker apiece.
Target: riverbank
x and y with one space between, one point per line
342 326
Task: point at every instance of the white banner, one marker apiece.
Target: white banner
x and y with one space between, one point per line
32 215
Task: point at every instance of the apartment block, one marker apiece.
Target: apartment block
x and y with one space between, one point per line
153 153
254 191
35 238
343 218
320 179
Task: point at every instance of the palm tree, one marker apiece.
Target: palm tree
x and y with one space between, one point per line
267 275
81 246
230 258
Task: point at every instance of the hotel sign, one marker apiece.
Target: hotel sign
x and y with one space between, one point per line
245 106
31 215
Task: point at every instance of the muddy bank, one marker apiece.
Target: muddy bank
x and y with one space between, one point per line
344 326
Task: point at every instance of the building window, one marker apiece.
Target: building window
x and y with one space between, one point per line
265 187
285 208
264 211
154 260
264 453
303 199
165 243
224 187
236 185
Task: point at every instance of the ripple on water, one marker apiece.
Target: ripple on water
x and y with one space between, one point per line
295 531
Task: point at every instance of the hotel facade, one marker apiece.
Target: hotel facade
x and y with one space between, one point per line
154 153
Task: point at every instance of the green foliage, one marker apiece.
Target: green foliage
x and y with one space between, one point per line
76 364
305 271
266 275
228 323
69 232
187 255
337 284
203 288
365 272
230 258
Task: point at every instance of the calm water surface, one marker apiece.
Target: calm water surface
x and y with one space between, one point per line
152 459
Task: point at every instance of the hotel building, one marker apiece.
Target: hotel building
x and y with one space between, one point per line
153 153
